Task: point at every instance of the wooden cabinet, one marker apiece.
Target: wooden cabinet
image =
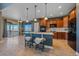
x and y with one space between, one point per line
43 22
56 21
51 22
72 27
59 35
65 22
59 23
47 23
72 15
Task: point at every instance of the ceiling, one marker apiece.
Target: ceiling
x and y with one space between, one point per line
77 7
4 5
18 10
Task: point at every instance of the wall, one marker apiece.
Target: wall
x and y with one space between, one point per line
1 27
77 41
36 27
77 32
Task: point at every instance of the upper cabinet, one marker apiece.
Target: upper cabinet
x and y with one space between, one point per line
56 21
42 22
60 23
65 21
72 14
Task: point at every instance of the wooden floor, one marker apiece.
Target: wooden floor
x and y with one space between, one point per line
14 46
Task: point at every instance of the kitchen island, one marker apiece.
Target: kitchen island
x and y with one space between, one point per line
47 35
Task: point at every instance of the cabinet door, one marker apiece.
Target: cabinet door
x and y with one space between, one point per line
59 23
72 34
43 22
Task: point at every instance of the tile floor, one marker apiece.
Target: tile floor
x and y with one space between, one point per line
14 46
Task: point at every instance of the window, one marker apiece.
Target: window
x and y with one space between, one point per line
28 27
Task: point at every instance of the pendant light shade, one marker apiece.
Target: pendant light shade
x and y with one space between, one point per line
35 13
20 21
27 16
46 18
27 21
35 19
45 12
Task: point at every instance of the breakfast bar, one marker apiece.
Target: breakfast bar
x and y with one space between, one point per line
47 37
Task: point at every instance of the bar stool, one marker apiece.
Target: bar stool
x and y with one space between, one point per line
39 43
28 41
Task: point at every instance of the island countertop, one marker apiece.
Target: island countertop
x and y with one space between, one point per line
50 33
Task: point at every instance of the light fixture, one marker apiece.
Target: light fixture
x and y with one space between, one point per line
45 12
46 18
38 11
20 21
27 16
35 19
35 13
27 21
59 7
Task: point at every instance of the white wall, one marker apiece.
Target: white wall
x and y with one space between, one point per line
36 27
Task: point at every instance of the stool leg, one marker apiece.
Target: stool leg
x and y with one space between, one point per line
29 44
36 46
41 47
25 43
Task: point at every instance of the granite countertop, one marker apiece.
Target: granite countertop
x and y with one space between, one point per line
51 33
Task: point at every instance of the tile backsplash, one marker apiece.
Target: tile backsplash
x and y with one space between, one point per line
59 29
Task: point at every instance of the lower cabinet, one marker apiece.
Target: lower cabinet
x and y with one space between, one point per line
60 35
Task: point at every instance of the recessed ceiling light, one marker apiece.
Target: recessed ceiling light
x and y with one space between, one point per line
59 7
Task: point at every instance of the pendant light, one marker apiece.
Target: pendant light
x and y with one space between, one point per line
27 15
46 12
35 13
20 20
